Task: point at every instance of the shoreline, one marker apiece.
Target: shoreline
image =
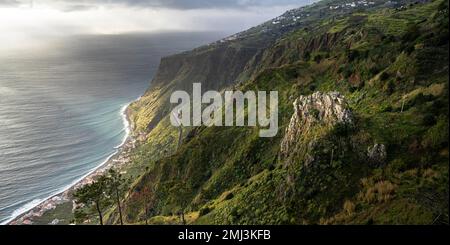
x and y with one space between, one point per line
116 159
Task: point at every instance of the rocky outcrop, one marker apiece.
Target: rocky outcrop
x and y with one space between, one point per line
319 109
377 154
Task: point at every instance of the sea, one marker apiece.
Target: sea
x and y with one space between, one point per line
61 108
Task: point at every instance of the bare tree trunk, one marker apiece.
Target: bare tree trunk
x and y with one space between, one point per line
180 136
146 211
332 155
100 216
182 217
118 205
403 104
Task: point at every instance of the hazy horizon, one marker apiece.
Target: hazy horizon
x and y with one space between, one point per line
28 23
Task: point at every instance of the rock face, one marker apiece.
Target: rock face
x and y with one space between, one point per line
318 109
377 154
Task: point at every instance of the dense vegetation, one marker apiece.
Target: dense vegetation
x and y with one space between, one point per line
390 61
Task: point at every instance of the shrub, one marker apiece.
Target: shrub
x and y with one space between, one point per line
345 70
398 165
306 56
437 106
387 108
441 38
389 87
365 182
421 98
430 173
384 76
381 191
352 89
374 70
315 113
437 135
349 207
204 211
342 130
292 73
352 55
234 214
411 34
409 49
429 120
367 196
384 190
229 196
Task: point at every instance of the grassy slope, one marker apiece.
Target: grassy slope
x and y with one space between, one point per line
381 61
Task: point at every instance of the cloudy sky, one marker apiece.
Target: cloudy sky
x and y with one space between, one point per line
25 20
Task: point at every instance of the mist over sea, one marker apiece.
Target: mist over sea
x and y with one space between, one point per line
60 108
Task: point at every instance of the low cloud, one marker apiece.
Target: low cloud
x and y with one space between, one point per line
168 4
26 22
78 7
202 4
7 3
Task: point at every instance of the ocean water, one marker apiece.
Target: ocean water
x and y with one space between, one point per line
61 108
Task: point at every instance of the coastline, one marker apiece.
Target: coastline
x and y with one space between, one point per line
117 159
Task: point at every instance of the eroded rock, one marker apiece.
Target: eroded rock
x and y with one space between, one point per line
317 109
377 154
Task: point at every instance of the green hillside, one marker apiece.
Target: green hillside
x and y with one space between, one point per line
383 64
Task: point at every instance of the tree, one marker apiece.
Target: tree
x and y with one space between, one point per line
93 199
149 199
117 186
181 194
